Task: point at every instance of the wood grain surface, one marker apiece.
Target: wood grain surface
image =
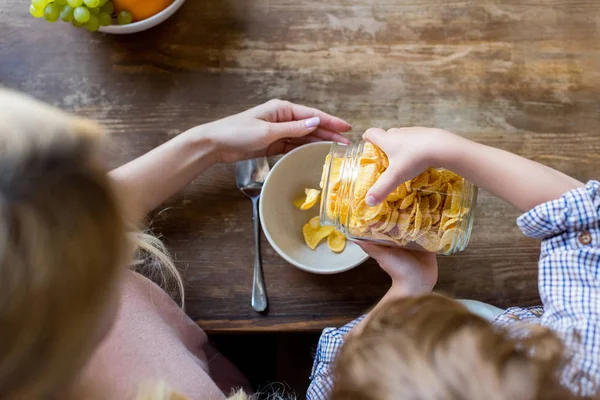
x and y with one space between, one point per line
520 75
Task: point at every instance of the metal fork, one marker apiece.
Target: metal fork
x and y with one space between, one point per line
250 176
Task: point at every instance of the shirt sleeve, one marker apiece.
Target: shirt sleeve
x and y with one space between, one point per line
569 281
329 346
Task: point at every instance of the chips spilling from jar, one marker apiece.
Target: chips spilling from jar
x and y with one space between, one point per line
314 233
427 210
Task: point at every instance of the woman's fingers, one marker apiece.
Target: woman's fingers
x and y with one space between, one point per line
292 129
285 111
327 121
303 128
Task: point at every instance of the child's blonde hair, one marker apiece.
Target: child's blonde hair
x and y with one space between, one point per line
431 347
63 247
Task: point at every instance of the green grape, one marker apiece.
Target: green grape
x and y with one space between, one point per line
105 19
94 11
35 12
40 4
91 3
103 2
81 14
60 2
108 8
93 24
51 12
75 3
124 18
76 24
67 13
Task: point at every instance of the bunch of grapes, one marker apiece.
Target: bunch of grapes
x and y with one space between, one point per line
90 14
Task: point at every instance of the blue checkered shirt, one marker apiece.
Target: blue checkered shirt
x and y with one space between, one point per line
569 285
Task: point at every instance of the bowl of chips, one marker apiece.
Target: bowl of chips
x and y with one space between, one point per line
289 214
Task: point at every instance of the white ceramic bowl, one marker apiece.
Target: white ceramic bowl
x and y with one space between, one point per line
282 222
144 24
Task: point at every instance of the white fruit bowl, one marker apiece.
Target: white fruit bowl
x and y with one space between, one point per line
144 24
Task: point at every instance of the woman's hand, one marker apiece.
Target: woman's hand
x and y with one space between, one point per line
412 272
272 128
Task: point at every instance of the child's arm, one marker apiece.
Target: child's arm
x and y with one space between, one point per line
517 180
269 129
562 212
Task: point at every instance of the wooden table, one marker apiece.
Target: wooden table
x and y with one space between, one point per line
523 76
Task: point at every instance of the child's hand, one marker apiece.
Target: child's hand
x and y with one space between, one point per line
412 272
521 182
410 151
271 128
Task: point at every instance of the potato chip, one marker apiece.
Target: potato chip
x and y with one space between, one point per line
369 160
325 171
402 191
448 201
366 178
435 218
435 201
395 234
382 222
313 232
407 201
420 180
424 205
456 196
310 199
367 213
455 213
408 186
417 223
448 239
382 158
426 225
435 179
392 221
430 241
403 225
334 167
315 222
449 176
392 197
369 150
449 223
299 201
343 212
336 241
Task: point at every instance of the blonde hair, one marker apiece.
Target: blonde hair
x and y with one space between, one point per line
63 247
431 347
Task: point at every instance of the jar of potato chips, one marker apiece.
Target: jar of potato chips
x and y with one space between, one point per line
433 211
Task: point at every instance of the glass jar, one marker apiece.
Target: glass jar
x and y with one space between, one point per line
432 212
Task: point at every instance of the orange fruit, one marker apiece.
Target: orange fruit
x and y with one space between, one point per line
141 9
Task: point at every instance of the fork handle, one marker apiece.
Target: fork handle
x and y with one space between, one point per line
259 294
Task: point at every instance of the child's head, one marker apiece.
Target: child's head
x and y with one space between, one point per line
432 347
63 246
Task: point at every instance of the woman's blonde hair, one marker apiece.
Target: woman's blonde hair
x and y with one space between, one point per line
63 247
431 347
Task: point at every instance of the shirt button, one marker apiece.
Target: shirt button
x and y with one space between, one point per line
585 238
